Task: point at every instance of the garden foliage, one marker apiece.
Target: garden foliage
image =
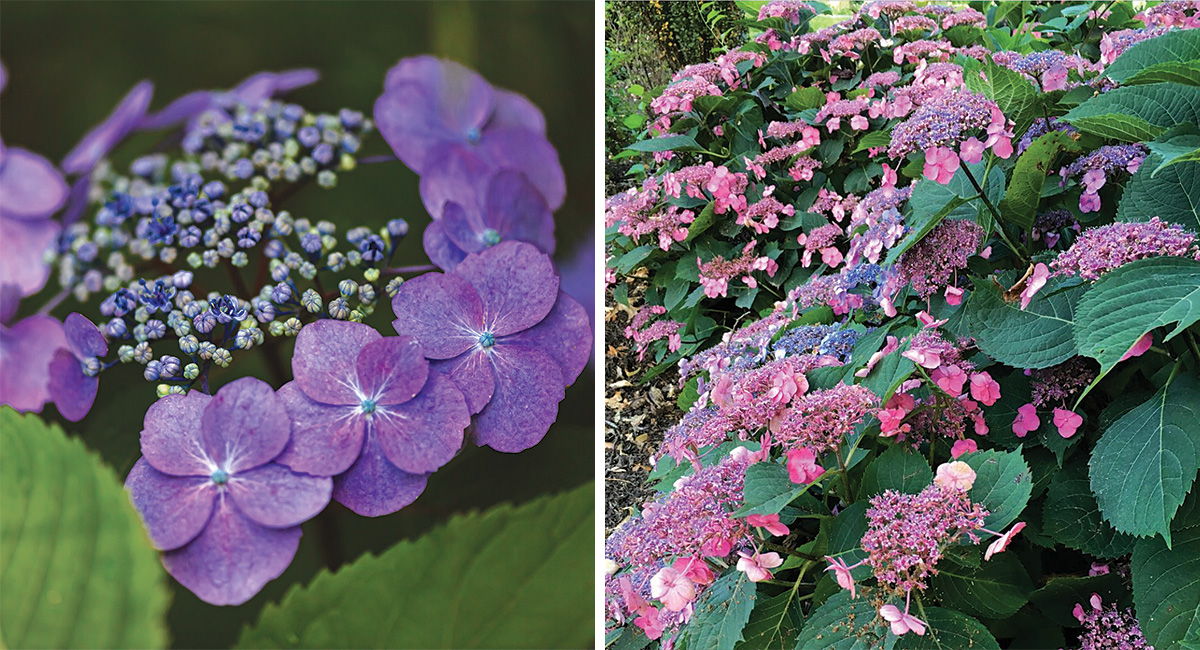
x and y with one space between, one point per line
930 276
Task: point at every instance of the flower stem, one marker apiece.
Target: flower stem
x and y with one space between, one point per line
54 302
995 214
382 158
401 270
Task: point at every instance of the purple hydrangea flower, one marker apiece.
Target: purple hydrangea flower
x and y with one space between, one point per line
211 496
501 329
73 372
252 92
512 210
26 349
431 107
99 141
366 409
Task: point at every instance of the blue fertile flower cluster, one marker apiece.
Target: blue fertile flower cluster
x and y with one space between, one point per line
484 352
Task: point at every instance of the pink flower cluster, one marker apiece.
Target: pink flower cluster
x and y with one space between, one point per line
914 24
1172 13
821 240
763 216
789 9
821 420
643 332
638 213
678 97
1113 44
931 264
1109 627
832 113
1100 250
715 274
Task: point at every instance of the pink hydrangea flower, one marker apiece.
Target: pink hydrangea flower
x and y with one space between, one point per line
802 466
954 296
1055 78
769 522
1041 273
940 164
672 588
950 379
786 386
1002 542
927 358
1089 202
757 567
1068 422
1026 421
1003 148
1139 348
859 123
971 150
955 475
902 622
963 447
984 388
841 571
696 570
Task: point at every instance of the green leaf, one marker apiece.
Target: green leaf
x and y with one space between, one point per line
842 623
1071 516
721 613
874 139
1172 47
630 260
1166 582
78 569
1003 484
806 98
1183 72
1132 300
1163 189
1020 203
949 630
1060 594
493 579
899 468
1181 148
703 221
688 395
666 143
932 202
774 623
634 121
1144 464
1137 113
1011 91
1039 337
768 489
997 589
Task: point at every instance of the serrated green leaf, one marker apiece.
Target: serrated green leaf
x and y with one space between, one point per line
1145 463
931 202
78 568
1175 46
1132 300
630 260
805 98
1003 484
634 121
1181 72
1166 582
1137 113
493 579
1040 336
703 221
1167 190
874 139
949 630
1020 202
899 468
666 143
721 613
1011 91
768 489
774 623
1072 517
842 623
997 589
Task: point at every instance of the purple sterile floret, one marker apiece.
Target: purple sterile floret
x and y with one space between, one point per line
366 409
99 141
512 210
211 496
73 372
26 350
251 92
501 329
31 189
432 107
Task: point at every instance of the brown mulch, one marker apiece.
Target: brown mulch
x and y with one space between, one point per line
635 416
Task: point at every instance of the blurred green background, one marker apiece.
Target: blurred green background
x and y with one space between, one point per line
70 62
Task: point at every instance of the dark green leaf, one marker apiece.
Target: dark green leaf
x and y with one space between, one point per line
1071 516
1166 582
704 220
1175 46
630 260
998 588
1137 113
1165 190
492 579
1181 72
949 630
899 468
666 143
1039 337
774 623
79 571
842 623
1020 203
1181 148
1060 594
768 489
1003 484
1144 464
721 613
1015 95
805 98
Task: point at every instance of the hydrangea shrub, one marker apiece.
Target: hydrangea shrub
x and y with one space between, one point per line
930 276
196 264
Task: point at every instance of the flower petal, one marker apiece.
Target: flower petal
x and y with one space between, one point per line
515 111
463 228
325 358
22 247
443 311
456 174
83 337
517 211
407 121
180 109
529 386
72 391
439 248
516 282
100 140
275 496
30 186
373 486
528 152
425 433
244 425
325 439
26 351
565 334
472 373
174 509
233 557
171 435
462 99
392 370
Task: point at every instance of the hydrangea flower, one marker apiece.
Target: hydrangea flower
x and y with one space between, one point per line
211 496
511 210
251 92
26 349
431 107
73 380
501 329
366 409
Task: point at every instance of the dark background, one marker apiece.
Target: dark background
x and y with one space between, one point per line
70 62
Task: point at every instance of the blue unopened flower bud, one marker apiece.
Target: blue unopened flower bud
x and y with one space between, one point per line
125 353
323 154
281 293
309 137
264 311
311 242
189 344
211 259
191 371
162 390
275 328
248 237
204 322
151 372
311 300
366 293
155 329
274 249
116 328
222 357
397 228
193 308
91 366
307 270
169 367
372 248
214 189
225 247
327 179
258 199
194 260
240 259
339 308
393 286
241 212
347 288
182 279
206 350
279 271
142 353
243 168
244 339
291 326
